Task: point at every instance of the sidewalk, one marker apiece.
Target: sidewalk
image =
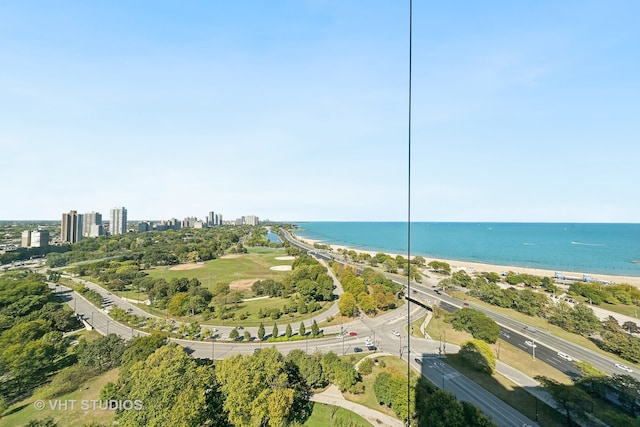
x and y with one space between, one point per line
333 396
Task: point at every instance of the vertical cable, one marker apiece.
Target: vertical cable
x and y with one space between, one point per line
409 227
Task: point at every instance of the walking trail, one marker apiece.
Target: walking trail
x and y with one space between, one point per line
333 396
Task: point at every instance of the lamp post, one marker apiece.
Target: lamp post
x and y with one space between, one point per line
107 326
444 343
533 350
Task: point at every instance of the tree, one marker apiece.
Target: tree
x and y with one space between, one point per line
572 399
44 422
390 266
103 353
288 331
441 409
301 330
631 327
476 323
367 304
274 332
347 305
315 331
479 354
309 368
419 261
175 390
258 388
234 334
440 267
261 332
461 278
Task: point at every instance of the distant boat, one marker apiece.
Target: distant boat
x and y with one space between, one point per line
635 261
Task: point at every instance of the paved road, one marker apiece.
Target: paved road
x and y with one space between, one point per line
548 345
92 315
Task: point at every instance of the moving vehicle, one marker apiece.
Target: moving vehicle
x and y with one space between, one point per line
396 333
623 367
530 344
340 336
564 356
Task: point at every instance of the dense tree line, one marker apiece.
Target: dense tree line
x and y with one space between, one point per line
157 247
368 290
597 294
577 318
32 321
429 405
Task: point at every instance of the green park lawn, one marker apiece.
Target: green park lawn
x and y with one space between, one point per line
24 411
254 265
327 415
368 398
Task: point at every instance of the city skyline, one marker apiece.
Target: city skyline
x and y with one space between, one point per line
522 112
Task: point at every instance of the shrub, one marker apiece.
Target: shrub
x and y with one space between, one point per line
366 367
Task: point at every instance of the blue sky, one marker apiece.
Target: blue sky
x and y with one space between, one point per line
297 110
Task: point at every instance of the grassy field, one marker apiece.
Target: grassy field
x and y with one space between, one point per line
254 265
368 398
509 354
327 416
25 411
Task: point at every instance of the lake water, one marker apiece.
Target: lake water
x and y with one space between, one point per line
587 248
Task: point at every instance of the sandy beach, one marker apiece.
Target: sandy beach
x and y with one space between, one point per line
480 267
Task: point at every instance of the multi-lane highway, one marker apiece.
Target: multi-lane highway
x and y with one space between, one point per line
547 345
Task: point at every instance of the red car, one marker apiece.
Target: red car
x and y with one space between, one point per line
353 334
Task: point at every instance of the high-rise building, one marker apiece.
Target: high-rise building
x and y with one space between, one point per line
40 239
71 227
118 221
251 220
25 240
211 219
89 219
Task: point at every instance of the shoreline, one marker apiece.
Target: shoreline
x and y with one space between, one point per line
483 267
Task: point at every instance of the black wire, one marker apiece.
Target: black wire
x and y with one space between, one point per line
409 228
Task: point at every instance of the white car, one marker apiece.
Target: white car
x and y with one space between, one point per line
530 344
339 337
564 356
623 367
396 333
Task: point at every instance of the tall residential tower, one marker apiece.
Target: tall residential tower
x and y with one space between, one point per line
71 227
118 221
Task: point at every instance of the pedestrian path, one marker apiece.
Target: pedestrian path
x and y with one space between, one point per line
333 396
